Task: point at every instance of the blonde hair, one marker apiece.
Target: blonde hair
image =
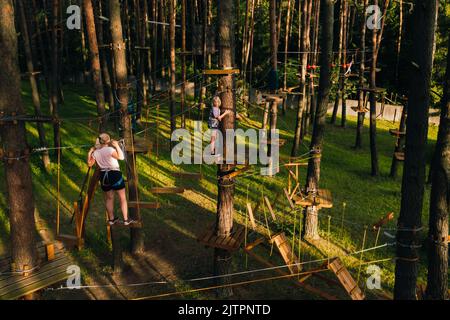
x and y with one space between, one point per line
217 98
102 139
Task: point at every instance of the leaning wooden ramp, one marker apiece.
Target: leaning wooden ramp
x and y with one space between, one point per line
345 278
286 252
52 270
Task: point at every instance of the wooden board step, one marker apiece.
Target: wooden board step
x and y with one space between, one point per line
285 249
346 279
144 205
360 110
397 133
164 190
323 199
230 243
188 175
400 156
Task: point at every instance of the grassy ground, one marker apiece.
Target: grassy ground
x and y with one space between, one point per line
173 254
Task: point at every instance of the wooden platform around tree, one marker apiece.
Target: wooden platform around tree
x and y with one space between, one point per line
323 199
144 205
397 133
230 243
400 156
166 190
346 279
360 110
52 270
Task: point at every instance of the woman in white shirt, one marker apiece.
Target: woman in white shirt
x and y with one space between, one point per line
106 154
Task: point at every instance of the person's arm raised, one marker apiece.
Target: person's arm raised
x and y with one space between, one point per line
118 153
91 159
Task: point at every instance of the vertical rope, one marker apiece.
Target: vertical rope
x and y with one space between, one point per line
361 255
293 235
300 238
342 219
328 240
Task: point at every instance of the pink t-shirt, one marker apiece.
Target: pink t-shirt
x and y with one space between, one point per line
104 159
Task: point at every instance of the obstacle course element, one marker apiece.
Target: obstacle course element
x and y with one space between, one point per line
286 252
166 190
231 242
53 269
346 279
220 72
383 221
321 199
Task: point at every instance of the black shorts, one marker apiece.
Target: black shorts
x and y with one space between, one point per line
111 180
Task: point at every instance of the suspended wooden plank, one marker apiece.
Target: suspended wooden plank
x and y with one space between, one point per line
360 110
236 172
286 252
397 133
144 205
286 193
255 243
165 190
383 221
399 156
346 279
250 214
269 206
188 175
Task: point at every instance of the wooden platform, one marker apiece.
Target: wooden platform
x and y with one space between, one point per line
219 72
230 243
165 190
140 146
53 270
346 279
285 249
323 199
397 133
400 156
144 205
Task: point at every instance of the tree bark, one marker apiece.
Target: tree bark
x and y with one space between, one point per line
14 144
95 62
225 197
273 79
172 14
373 104
344 65
286 44
423 36
55 76
339 62
437 286
311 230
183 63
137 237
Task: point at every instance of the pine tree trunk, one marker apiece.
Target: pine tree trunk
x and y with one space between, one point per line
55 76
339 62
437 286
373 105
225 198
273 79
286 44
423 37
14 144
183 63
120 68
95 62
344 65
172 14
35 97
326 17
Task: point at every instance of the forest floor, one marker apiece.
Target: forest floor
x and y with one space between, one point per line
173 254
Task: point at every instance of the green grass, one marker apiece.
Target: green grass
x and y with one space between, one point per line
170 232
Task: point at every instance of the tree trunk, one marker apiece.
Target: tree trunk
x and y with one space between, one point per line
14 145
423 36
95 62
361 80
273 79
437 286
339 62
344 65
183 63
286 44
33 84
172 14
373 104
137 237
55 77
313 175
225 198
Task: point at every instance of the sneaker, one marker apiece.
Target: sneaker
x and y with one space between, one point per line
128 222
113 221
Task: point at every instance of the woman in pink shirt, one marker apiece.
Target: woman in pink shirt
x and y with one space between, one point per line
106 154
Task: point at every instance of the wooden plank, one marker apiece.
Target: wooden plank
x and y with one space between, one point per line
269 206
255 243
400 156
286 193
397 133
377 225
360 110
324 199
166 190
303 201
188 175
230 243
50 250
144 205
250 214
235 173
221 71
346 279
